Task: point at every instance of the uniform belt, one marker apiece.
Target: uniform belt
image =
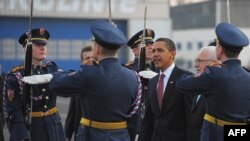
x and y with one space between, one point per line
43 114
103 125
220 122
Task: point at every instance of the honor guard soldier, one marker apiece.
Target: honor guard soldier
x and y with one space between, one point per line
135 44
110 93
45 121
226 87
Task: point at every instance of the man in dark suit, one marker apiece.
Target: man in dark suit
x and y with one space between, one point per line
205 56
226 86
168 111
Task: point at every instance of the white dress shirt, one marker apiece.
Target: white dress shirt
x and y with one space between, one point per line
167 74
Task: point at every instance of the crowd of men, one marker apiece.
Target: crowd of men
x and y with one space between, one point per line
113 102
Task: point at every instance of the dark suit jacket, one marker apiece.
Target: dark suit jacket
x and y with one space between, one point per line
198 111
169 124
73 118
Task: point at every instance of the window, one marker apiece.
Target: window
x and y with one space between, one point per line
52 50
189 64
77 46
200 44
178 45
9 49
189 46
64 49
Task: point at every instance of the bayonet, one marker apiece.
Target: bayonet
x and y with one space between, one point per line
27 95
142 61
228 12
110 15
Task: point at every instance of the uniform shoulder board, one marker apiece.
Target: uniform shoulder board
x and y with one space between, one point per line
50 63
127 66
215 64
18 68
51 66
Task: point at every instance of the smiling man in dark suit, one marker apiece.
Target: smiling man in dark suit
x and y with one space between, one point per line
168 111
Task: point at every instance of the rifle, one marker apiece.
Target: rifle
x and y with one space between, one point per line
142 61
142 65
228 12
110 15
27 95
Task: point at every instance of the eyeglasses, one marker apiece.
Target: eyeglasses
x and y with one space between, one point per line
197 61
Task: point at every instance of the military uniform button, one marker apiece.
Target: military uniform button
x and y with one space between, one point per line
46 97
43 89
45 106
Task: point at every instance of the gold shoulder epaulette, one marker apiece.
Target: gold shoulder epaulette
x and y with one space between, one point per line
215 64
18 68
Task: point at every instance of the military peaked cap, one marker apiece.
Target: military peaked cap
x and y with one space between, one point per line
230 36
38 35
107 35
137 38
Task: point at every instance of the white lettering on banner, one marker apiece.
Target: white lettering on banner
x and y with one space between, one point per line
63 6
24 5
97 6
41 5
128 7
75 5
12 4
87 6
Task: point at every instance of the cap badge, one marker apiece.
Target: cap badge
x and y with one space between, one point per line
149 32
41 31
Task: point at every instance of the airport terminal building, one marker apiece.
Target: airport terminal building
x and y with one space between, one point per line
68 22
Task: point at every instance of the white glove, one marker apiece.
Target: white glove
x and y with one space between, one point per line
148 74
38 79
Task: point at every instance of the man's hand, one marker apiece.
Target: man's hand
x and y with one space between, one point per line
148 74
38 79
